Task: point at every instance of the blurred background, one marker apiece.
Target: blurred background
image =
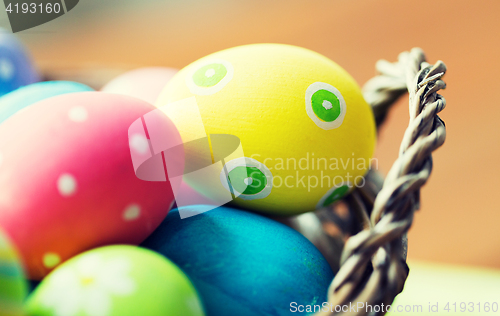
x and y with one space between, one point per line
459 216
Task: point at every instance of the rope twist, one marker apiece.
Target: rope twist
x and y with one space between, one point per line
373 262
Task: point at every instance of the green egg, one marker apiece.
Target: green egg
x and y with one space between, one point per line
13 286
116 281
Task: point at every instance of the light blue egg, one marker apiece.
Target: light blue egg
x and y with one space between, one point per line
19 99
242 263
16 68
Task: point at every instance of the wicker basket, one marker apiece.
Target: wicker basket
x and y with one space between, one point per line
363 236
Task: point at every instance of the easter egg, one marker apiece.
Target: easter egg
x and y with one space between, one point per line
67 180
146 84
116 281
193 197
19 99
306 132
16 68
13 287
242 263
143 83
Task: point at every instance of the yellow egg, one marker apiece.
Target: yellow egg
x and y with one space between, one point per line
306 133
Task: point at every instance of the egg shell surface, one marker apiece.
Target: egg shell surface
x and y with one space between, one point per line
243 263
142 83
16 67
304 126
67 183
13 286
21 98
116 281
146 84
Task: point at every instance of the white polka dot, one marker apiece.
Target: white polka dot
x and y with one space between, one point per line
66 184
327 104
248 181
78 114
210 73
132 212
139 143
6 69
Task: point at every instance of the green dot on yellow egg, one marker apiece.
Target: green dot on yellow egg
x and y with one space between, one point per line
336 195
256 180
325 105
209 75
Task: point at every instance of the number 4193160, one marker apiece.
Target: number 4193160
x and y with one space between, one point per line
471 307
33 8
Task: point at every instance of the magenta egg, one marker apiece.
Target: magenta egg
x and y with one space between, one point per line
146 84
68 182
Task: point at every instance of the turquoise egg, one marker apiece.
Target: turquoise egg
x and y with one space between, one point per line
27 95
242 263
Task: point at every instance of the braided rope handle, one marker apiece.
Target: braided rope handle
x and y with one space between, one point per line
373 263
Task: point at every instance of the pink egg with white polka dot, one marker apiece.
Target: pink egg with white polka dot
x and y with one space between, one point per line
68 182
146 84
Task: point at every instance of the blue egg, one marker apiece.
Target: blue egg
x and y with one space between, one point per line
16 68
25 96
242 263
